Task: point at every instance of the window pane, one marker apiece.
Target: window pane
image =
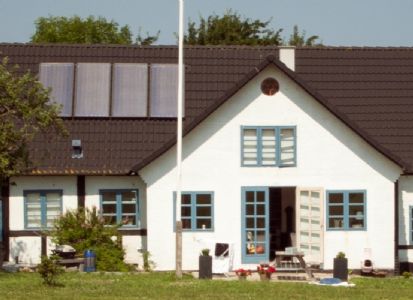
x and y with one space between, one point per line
268 146
203 224
129 220
203 211
185 211
186 199
287 154
356 210
130 90
109 208
260 209
164 90
250 223
92 89
260 197
108 196
53 206
128 208
260 222
203 199
110 220
335 198
356 223
129 196
33 210
250 196
356 197
250 142
250 209
336 210
59 77
335 223
186 224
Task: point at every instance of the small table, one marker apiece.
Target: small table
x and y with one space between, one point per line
280 255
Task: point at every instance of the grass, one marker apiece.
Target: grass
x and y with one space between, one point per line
165 286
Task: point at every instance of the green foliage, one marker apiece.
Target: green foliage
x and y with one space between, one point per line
299 39
84 229
407 275
148 264
231 29
49 269
91 30
24 112
341 255
205 252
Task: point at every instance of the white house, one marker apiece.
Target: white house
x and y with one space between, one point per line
307 147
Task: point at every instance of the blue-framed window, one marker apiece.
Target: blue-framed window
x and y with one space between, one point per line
41 208
197 211
346 210
411 224
268 146
120 207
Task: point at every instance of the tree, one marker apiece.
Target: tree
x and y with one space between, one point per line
298 39
231 29
75 30
24 112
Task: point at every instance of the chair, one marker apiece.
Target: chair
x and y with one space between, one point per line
222 260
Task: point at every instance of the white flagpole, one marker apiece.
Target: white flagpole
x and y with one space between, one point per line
178 258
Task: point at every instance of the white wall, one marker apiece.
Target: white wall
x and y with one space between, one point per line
329 155
405 201
29 248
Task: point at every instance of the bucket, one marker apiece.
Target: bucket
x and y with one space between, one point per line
90 261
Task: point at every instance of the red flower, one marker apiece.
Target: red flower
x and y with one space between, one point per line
265 269
243 272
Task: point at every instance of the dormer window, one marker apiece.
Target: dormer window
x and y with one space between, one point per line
77 151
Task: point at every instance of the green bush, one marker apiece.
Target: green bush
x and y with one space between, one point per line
49 269
407 275
84 229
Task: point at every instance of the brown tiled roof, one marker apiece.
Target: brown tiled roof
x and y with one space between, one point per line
370 89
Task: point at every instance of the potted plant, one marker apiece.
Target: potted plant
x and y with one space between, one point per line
205 265
340 269
265 271
242 274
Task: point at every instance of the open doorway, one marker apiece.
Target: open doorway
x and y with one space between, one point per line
282 216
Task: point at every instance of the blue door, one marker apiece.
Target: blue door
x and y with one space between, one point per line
255 224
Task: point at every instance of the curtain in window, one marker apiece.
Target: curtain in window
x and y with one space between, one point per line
130 90
59 77
164 90
92 89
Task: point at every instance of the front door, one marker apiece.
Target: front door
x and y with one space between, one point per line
310 225
255 224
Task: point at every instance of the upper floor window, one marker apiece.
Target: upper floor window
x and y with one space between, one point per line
268 146
120 207
41 208
346 210
196 211
116 90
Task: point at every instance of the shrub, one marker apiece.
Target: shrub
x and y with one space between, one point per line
49 269
148 264
407 275
84 229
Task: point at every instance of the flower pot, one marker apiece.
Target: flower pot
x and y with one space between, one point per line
205 267
242 277
265 276
340 269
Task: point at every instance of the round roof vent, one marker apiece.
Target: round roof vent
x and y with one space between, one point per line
270 86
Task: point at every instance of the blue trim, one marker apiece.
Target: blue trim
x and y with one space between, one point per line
118 200
411 224
277 130
346 210
43 206
194 206
254 258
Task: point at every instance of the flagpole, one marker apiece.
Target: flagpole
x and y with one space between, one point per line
178 244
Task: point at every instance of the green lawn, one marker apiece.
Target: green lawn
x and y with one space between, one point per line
165 286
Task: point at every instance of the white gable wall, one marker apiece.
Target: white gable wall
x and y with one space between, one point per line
405 223
329 155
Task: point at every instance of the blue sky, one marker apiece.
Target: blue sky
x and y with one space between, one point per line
337 22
